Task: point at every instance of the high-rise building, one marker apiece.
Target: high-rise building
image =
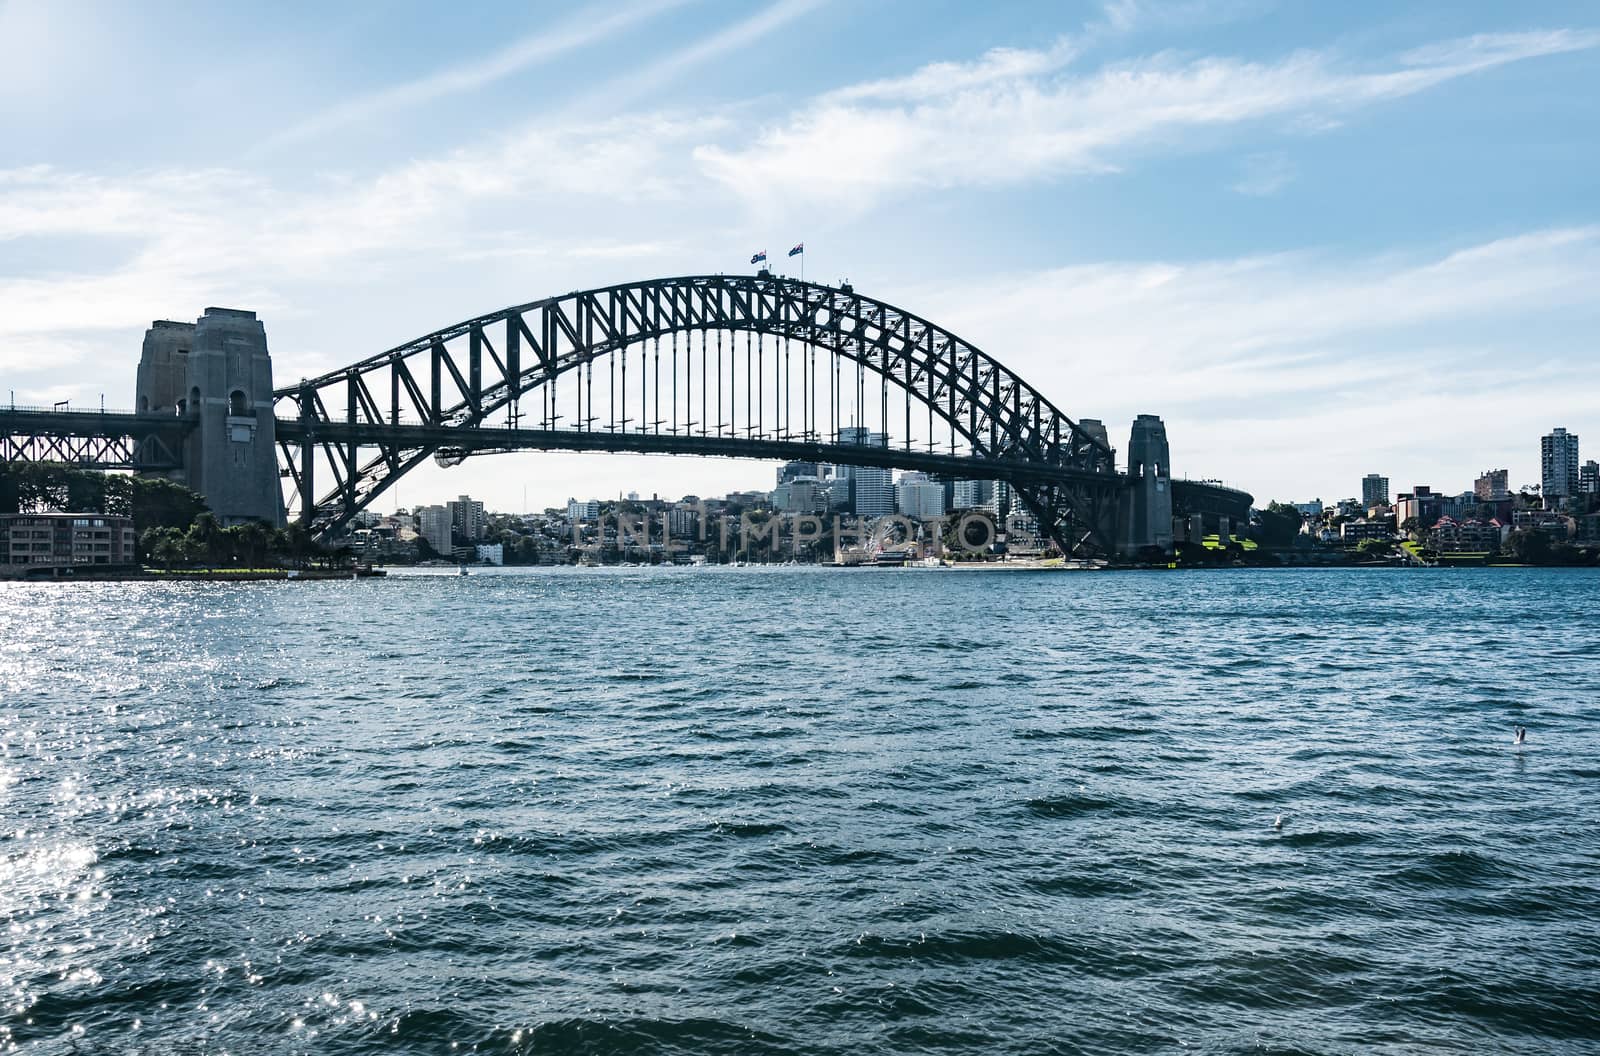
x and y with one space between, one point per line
871 488
583 511
1374 490
973 495
433 524
1589 477
1493 486
790 470
467 519
919 498
800 495
1558 464
871 491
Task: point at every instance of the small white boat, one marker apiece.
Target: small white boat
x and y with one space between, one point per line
462 571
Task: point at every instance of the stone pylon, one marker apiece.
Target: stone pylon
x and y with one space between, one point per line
216 373
1145 513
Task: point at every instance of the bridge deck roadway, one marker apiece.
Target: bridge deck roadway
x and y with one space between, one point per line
18 421
483 441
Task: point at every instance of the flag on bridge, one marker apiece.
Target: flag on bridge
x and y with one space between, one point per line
799 248
759 258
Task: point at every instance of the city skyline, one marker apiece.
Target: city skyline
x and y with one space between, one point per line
1365 488
1316 246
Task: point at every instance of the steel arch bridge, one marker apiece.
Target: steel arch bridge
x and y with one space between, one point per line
740 366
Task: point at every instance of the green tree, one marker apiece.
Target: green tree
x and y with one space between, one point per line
204 541
252 542
1529 547
1280 523
298 545
154 502
163 546
1375 548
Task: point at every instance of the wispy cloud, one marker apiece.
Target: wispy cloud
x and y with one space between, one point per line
578 31
662 71
1015 116
1265 174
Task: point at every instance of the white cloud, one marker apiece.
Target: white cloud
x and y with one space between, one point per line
576 32
998 65
1284 372
1013 117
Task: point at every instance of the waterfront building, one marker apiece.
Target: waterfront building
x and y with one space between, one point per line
919 498
433 524
1420 503
1549 522
682 521
1451 536
800 495
1354 532
491 553
1492 486
583 511
1558 465
1459 507
467 519
1374 490
1023 535
65 540
1589 477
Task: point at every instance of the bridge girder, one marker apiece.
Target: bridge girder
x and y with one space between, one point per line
92 440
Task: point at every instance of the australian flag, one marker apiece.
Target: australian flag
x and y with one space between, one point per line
759 258
800 247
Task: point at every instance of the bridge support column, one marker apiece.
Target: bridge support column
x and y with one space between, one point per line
308 457
216 373
1145 512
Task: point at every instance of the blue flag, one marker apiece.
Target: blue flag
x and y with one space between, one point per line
759 258
800 247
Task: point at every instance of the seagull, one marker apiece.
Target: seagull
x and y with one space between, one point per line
1522 735
1277 822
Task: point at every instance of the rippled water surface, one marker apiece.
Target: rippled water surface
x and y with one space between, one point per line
811 811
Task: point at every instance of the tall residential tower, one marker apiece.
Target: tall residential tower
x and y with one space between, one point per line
1558 465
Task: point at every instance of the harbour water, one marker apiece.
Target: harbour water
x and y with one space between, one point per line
801 810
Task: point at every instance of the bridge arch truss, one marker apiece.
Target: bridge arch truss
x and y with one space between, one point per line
741 366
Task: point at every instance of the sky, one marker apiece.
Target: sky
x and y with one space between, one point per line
1320 240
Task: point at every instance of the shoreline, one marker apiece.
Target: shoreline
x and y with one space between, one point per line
433 572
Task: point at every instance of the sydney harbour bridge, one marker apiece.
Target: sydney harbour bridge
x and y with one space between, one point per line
761 366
